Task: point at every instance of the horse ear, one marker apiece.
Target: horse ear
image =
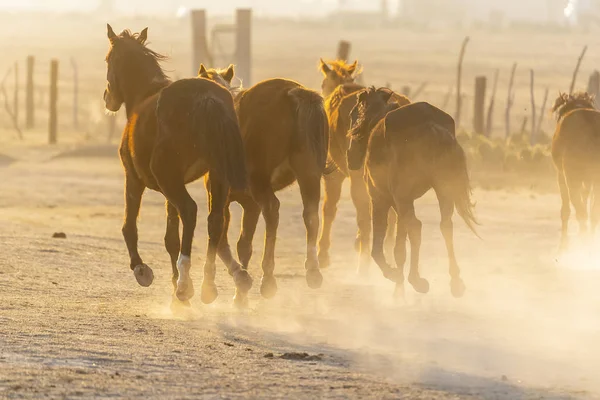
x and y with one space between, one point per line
324 67
110 33
202 71
143 36
352 68
229 74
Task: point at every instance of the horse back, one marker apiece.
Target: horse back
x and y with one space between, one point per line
417 114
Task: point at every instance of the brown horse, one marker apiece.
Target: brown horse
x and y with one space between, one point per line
284 128
576 155
175 134
340 89
405 152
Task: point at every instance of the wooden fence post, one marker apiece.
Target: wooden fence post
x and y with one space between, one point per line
16 93
576 71
461 57
200 50
29 95
53 120
343 52
243 52
490 114
405 91
75 93
479 110
533 138
509 101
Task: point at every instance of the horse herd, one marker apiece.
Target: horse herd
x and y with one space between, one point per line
251 143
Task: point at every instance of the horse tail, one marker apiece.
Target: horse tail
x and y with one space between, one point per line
456 178
312 127
222 137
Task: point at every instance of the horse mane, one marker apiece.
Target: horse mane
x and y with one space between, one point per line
357 132
566 103
340 92
134 46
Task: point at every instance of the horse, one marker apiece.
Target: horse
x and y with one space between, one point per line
285 132
575 152
405 151
175 134
340 91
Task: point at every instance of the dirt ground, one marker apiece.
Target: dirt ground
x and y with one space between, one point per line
75 324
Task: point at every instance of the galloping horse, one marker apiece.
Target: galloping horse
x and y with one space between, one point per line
405 152
340 91
285 131
175 134
576 155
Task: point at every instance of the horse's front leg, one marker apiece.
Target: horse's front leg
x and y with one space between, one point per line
380 209
134 189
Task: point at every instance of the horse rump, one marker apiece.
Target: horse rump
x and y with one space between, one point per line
223 138
312 126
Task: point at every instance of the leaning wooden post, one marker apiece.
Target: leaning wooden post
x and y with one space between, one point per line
244 45
75 94
459 81
200 51
29 95
479 107
576 71
509 101
490 114
533 110
343 51
53 121
16 93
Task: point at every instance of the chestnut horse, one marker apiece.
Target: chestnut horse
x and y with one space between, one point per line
175 134
405 152
576 155
285 131
340 89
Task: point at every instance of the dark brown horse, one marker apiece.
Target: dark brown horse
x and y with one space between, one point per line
284 128
405 152
175 134
576 155
340 89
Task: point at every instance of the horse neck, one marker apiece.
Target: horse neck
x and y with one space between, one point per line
141 92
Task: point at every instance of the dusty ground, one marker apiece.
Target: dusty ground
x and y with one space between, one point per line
75 324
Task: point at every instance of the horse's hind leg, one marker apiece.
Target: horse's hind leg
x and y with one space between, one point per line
399 253
360 197
406 211
457 285
173 188
173 245
565 210
333 191
380 209
575 185
250 218
309 181
134 189
218 225
269 204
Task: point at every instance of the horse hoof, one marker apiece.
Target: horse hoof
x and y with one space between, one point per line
143 275
268 287
178 306
209 293
314 279
185 290
242 280
457 287
240 301
419 284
